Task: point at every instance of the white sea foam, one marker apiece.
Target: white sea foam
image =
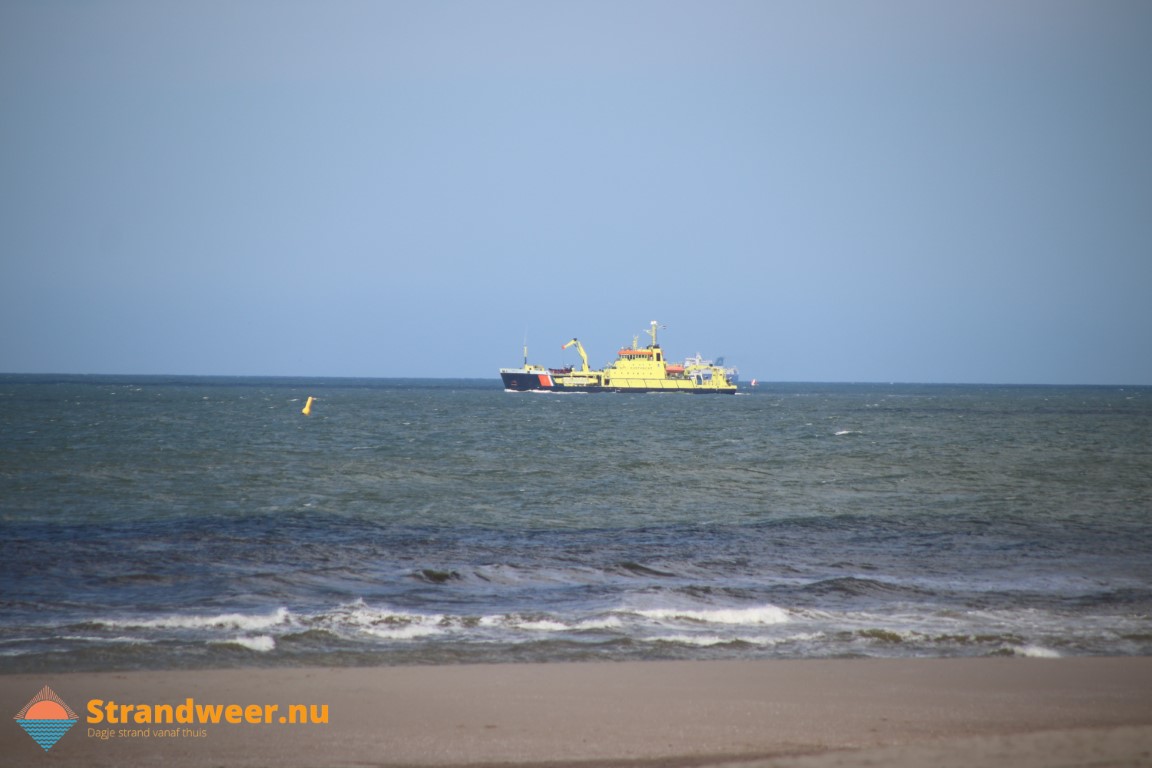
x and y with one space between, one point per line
764 614
608 622
544 626
384 623
247 622
121 639
516 621
402 631
259 643
1036 652
704 639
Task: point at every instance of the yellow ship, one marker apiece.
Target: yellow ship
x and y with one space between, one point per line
636 369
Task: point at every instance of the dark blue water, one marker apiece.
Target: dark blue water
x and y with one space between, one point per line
168 522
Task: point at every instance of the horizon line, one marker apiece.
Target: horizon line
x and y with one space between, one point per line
496 379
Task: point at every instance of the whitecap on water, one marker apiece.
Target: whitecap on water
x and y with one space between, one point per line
1035 652
250 622
260 643
764 614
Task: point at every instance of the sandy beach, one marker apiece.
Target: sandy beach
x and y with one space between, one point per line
942 712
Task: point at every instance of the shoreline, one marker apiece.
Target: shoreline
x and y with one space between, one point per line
804 712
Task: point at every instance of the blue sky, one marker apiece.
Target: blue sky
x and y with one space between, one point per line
819 191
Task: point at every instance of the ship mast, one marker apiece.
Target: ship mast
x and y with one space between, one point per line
657 355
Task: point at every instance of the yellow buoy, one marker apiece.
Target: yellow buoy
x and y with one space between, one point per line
307 407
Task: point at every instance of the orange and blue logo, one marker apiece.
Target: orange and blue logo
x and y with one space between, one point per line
46 718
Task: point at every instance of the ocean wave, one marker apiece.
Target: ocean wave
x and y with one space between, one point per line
360 628
855 586
248 622
706 639
544 625
764 614
547 623
391 623
703 640
665 623
639 569
1035 652
403 632
96 639
259 643
380 622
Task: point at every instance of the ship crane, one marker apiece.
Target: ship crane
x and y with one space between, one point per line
583 354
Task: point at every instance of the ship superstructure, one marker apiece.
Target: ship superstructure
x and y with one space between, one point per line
636 369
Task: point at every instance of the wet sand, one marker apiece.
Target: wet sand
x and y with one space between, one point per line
804 713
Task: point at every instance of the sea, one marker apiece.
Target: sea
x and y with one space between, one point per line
190 522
